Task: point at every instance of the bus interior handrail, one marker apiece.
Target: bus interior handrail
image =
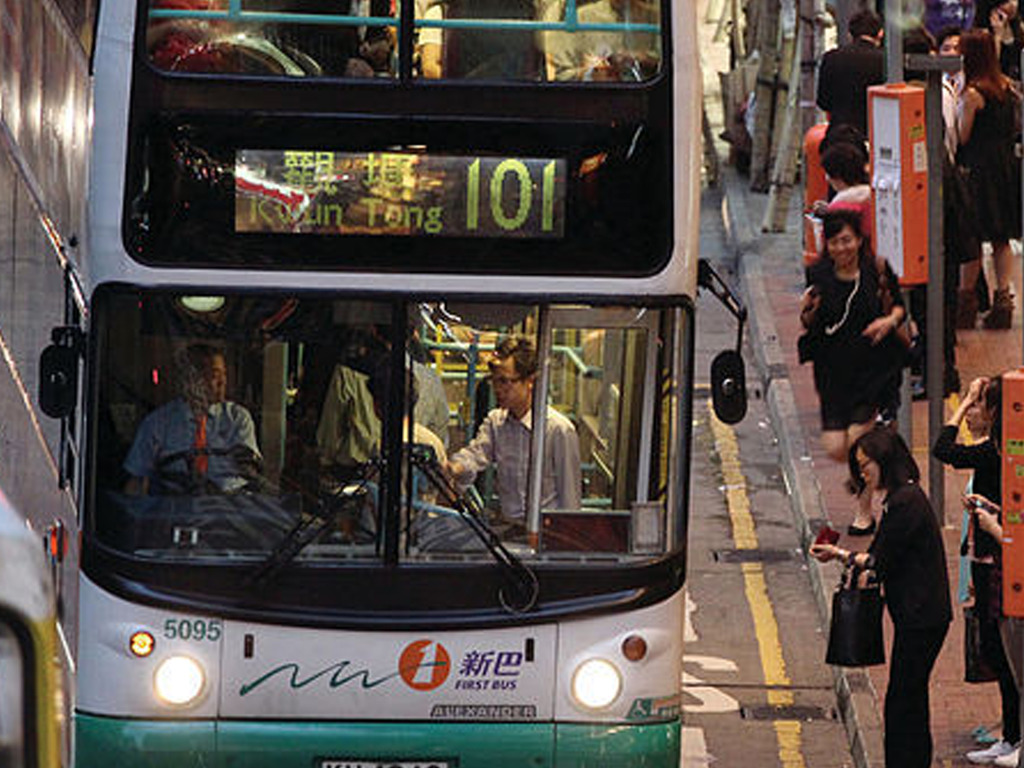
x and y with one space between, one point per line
348 20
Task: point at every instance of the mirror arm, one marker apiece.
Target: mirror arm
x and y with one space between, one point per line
70 336
708 278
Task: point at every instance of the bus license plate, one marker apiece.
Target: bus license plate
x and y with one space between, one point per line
341 762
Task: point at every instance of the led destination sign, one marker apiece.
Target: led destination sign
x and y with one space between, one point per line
399 194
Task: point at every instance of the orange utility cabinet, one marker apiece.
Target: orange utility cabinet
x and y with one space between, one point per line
1013 493
815 188
899 178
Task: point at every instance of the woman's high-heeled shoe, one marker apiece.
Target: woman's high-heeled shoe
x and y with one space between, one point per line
1001 315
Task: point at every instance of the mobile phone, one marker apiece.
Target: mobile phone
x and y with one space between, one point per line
979 504
827 535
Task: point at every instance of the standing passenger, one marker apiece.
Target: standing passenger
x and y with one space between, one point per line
847 72
505 437
981 409
988 139
908 556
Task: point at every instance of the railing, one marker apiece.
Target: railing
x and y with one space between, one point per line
234 12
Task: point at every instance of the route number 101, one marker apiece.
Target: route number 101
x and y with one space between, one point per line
501 209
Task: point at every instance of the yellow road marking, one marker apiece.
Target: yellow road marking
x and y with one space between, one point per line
766 628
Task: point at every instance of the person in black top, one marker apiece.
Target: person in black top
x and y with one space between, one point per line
909 559
989 107
1002 19
981 409
847 71
850 311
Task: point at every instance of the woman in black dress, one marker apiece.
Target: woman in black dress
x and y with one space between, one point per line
851 310
987 151
980 408
909 559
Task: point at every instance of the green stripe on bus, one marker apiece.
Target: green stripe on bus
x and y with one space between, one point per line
275 744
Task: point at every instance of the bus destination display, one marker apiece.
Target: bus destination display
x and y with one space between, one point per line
398 194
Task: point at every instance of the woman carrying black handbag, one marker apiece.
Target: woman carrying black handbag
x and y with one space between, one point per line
909 559
855 635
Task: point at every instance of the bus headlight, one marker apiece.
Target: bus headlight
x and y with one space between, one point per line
179 680
596 683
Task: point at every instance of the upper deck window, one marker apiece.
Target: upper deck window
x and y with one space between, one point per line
498 40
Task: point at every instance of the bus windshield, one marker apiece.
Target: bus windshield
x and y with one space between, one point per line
497 40
298 429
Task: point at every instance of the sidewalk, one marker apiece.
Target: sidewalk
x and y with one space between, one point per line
771 281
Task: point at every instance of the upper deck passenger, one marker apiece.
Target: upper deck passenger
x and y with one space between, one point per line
620 56
491 51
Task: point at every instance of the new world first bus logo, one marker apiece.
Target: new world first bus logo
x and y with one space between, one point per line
424 665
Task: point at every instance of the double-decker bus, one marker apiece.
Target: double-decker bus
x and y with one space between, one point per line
30 690
371 375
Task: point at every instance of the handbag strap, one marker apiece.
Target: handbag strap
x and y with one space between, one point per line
851 575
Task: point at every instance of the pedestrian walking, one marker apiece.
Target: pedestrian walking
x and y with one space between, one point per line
851 311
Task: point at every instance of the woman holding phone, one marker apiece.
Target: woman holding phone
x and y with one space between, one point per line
909 559
980 409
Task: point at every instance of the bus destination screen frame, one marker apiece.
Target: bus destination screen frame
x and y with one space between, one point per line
399 193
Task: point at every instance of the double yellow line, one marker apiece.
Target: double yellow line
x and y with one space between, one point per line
788 733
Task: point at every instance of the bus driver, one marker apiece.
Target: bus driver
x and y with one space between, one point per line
504 438
197 440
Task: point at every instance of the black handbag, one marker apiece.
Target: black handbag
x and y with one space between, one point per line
855 635
976 666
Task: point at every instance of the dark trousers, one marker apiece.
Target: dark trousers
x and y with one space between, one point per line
908 738
984 577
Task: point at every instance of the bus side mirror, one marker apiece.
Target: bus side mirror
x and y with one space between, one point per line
58 380
729 386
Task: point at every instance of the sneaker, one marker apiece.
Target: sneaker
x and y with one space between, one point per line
991 753
1009 760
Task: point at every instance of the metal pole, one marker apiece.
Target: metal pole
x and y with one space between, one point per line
894 41
842 13
936 290
934 66
534 487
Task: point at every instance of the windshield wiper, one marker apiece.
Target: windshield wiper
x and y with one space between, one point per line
521 581
311 525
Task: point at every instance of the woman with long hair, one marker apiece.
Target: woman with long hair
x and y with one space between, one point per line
987 151
851 311
909 559
980 409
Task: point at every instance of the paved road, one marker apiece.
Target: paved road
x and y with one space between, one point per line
756 691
